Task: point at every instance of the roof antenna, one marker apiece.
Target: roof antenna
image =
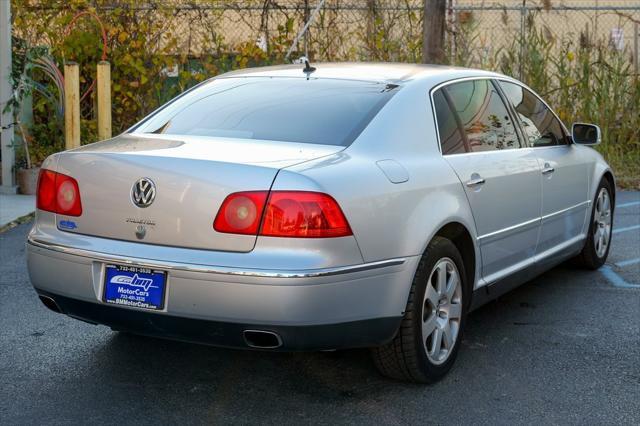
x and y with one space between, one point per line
308 69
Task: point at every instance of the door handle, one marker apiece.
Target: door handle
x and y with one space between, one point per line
547 169
476 181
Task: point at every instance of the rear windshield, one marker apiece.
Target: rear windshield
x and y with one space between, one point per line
317 111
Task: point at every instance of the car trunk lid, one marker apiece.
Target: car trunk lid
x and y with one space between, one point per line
192 176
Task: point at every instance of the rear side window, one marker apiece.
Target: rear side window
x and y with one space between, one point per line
540 125
451 140
482 115
316 111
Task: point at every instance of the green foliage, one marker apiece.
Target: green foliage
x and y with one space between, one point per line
584 81
42 145
22 81
588 82
141 48
23 78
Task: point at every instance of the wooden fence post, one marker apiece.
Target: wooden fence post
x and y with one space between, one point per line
433 28
104 100
71 105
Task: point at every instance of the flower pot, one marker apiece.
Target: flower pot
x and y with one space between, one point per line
28 180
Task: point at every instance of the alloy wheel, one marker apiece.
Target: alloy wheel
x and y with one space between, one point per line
441 311
602 223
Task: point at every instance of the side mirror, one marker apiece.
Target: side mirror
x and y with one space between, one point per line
586 134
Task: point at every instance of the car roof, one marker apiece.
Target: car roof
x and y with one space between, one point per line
366 71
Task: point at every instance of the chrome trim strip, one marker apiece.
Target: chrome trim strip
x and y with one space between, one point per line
224 270
531 222
508 229
497 276
568 209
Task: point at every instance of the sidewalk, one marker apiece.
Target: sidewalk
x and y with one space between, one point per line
13 207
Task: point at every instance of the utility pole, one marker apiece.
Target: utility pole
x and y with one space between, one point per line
6 122
433 26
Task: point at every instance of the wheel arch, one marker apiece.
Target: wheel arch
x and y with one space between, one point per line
460 236
608 175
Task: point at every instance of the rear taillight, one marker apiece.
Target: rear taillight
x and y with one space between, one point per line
58 193
241 212
303 215
46 199
297 214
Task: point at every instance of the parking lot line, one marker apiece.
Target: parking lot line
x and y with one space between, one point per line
616 279
628 262
627 228
633 203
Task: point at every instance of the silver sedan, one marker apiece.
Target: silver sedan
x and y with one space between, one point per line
350 205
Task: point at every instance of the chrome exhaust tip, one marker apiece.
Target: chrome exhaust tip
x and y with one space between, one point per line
262 339
50 303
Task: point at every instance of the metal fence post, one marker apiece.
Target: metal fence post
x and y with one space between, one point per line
304 29
523 24
307 11
636 47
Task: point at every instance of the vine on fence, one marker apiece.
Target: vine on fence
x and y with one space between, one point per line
161 49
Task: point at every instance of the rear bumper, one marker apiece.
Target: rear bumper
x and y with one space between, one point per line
364 333
338 307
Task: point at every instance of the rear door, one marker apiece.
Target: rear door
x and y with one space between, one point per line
502 181
565 178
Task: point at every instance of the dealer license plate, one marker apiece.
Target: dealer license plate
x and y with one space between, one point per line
134 286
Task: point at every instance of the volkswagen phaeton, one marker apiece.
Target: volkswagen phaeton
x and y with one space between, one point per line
341 206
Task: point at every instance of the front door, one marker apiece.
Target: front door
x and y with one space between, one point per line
565 180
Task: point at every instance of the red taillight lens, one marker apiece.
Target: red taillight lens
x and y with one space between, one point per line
241 212
297 214
58 193
303 215
68 195
46 198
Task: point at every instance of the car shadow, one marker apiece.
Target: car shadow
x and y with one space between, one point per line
268 383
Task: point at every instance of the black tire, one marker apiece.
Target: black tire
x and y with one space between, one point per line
588 257
405 357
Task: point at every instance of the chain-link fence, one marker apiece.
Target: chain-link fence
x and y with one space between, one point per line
582 56
392 30
478 33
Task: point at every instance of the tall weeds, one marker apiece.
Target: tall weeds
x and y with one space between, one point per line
583 80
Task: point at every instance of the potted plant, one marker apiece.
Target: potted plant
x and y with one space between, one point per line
27 176
25 61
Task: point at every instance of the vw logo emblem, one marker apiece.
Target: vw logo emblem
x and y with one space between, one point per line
143 192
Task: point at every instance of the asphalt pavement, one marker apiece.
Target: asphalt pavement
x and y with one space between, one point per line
562 349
